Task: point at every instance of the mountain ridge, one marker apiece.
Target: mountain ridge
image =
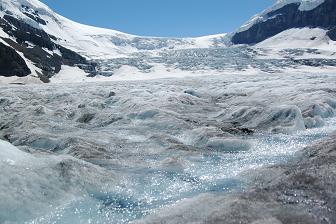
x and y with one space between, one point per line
273 22
49 44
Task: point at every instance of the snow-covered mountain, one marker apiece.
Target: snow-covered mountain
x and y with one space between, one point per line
48 46
289 14
187 150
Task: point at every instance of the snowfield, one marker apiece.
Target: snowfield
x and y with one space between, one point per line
112 152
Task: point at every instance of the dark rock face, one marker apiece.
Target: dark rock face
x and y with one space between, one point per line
71 58
33 15
289 16
11 63
43 43
332 34
24 32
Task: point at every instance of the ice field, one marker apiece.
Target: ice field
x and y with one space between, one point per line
115 152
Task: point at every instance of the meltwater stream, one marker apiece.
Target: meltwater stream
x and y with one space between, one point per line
140 192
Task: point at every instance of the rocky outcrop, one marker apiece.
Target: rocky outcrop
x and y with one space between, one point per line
301 192
11 63
332 34
31 13
287 17
24 32
40 48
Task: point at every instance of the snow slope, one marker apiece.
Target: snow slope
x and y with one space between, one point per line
300 38
305 5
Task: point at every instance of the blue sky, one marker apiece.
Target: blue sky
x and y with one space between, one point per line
170 18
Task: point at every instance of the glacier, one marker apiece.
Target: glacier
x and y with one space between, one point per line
115 152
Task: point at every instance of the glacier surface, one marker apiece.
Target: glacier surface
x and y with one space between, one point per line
114 152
